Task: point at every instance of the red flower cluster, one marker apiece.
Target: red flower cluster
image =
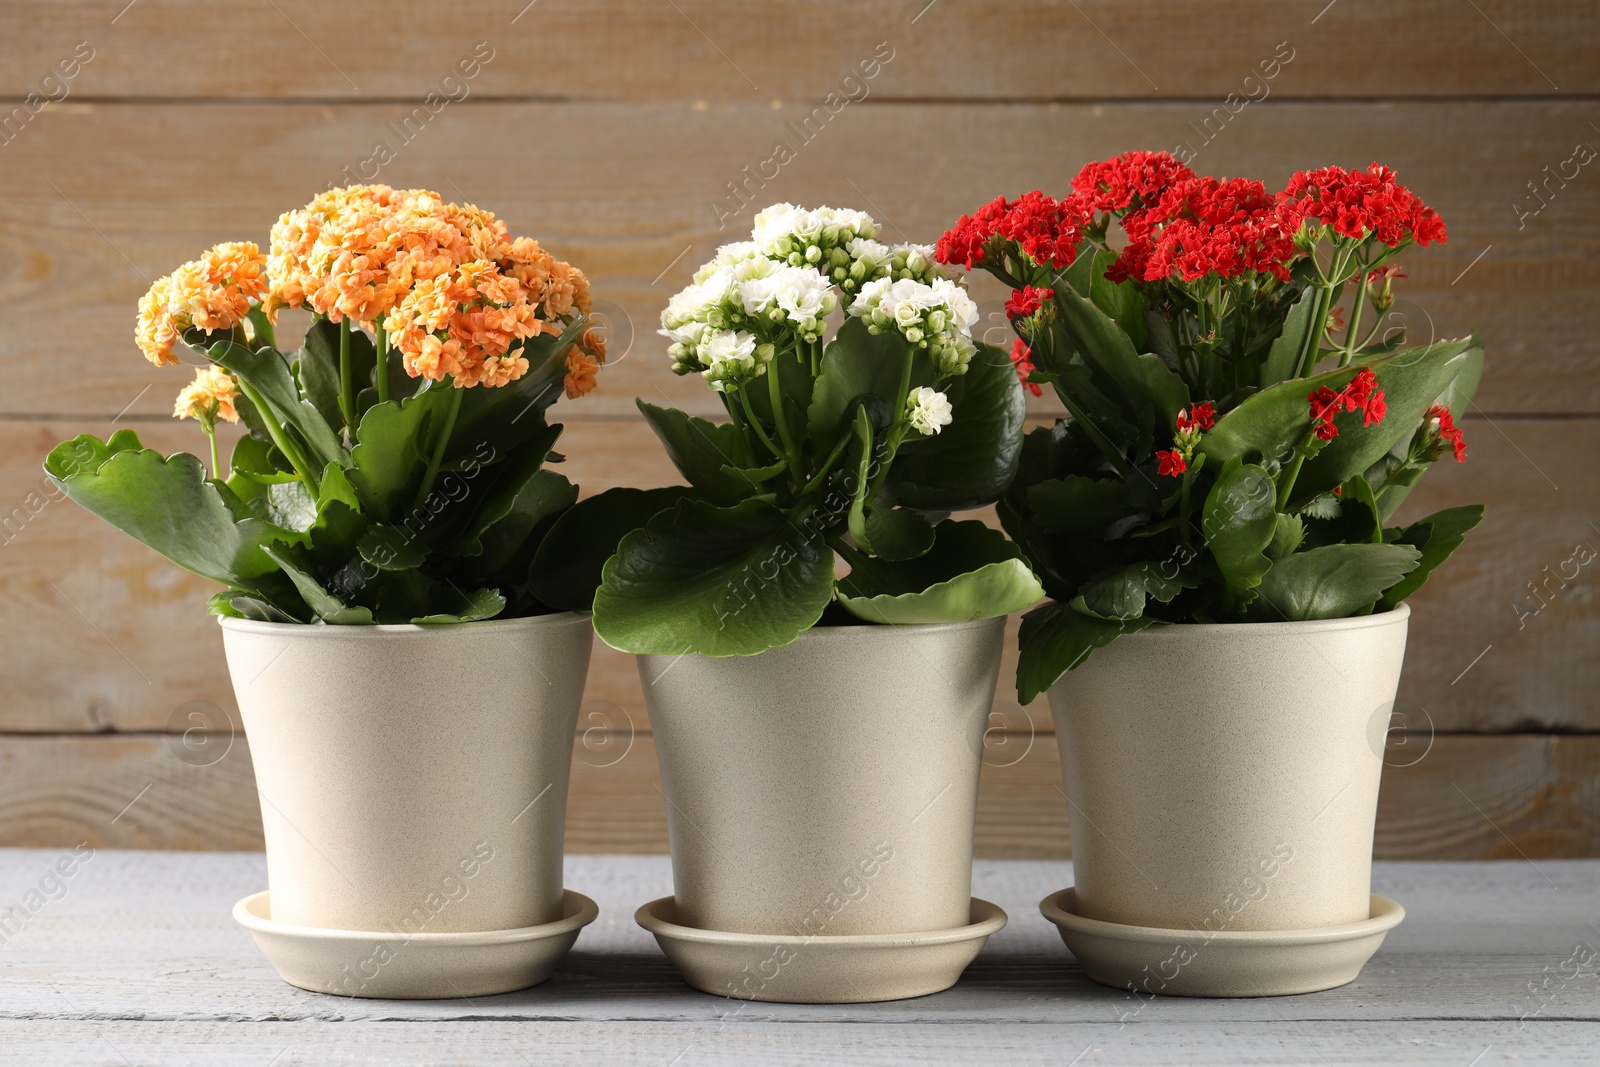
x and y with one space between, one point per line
1021 359
1170 464
1355 203
1048 230
1448 431
1025 301
964 242
1360 393
1204 417
1205 226
1133 179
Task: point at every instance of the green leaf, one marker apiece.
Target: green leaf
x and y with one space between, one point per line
1146 382
1287 536
969 463
1121 301
86 454
498 487
1331 582
510 542
235 604
858 364
1054 639
898 533
265 371
318 367
1438 535
1457 396
1274 421
390 548
327 607
169 505
567 567
1283 358
475 606
1238 524
389 459
1078 505
1120 596
717 581
1412 379
971 572
706 454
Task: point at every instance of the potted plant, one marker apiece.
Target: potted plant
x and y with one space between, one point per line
1213 523
817 639
410 702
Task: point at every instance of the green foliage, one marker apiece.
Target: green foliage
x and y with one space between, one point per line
819 458
431 511
1267 521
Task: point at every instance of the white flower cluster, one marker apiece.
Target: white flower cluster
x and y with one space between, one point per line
937 316
777 290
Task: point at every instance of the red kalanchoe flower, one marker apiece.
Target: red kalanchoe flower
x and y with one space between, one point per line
964 242
1133 179
1361 392
1203 417
1021 359
1048 230
1448 431
1026 301
1357 393
1205 226
1356 203
1375 409
1170 463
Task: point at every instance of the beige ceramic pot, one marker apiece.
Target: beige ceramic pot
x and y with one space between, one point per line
1225 777
413 780
825 789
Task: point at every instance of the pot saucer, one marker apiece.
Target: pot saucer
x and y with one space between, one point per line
1227 963
396 966
823 969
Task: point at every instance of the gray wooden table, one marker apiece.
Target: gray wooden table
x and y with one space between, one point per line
135 960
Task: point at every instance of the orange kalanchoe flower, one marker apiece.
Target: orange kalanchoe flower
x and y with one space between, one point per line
463 325
210 293
207 398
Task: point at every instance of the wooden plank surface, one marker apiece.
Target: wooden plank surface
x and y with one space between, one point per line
138 961
635 49
634 193
143 647
1468 797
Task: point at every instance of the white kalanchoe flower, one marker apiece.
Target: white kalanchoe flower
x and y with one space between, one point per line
861 261
915 262
733 357
799 237
698 302
927 410
938 317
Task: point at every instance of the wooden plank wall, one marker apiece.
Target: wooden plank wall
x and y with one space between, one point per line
632 137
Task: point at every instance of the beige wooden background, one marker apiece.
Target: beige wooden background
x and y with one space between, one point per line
613 130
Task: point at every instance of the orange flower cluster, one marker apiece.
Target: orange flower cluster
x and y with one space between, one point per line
447 282
207 398
210 293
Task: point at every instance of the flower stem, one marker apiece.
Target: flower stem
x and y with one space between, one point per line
791 455
280 437
347 384
755 424
381 343
1287 485
216 466
450 412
